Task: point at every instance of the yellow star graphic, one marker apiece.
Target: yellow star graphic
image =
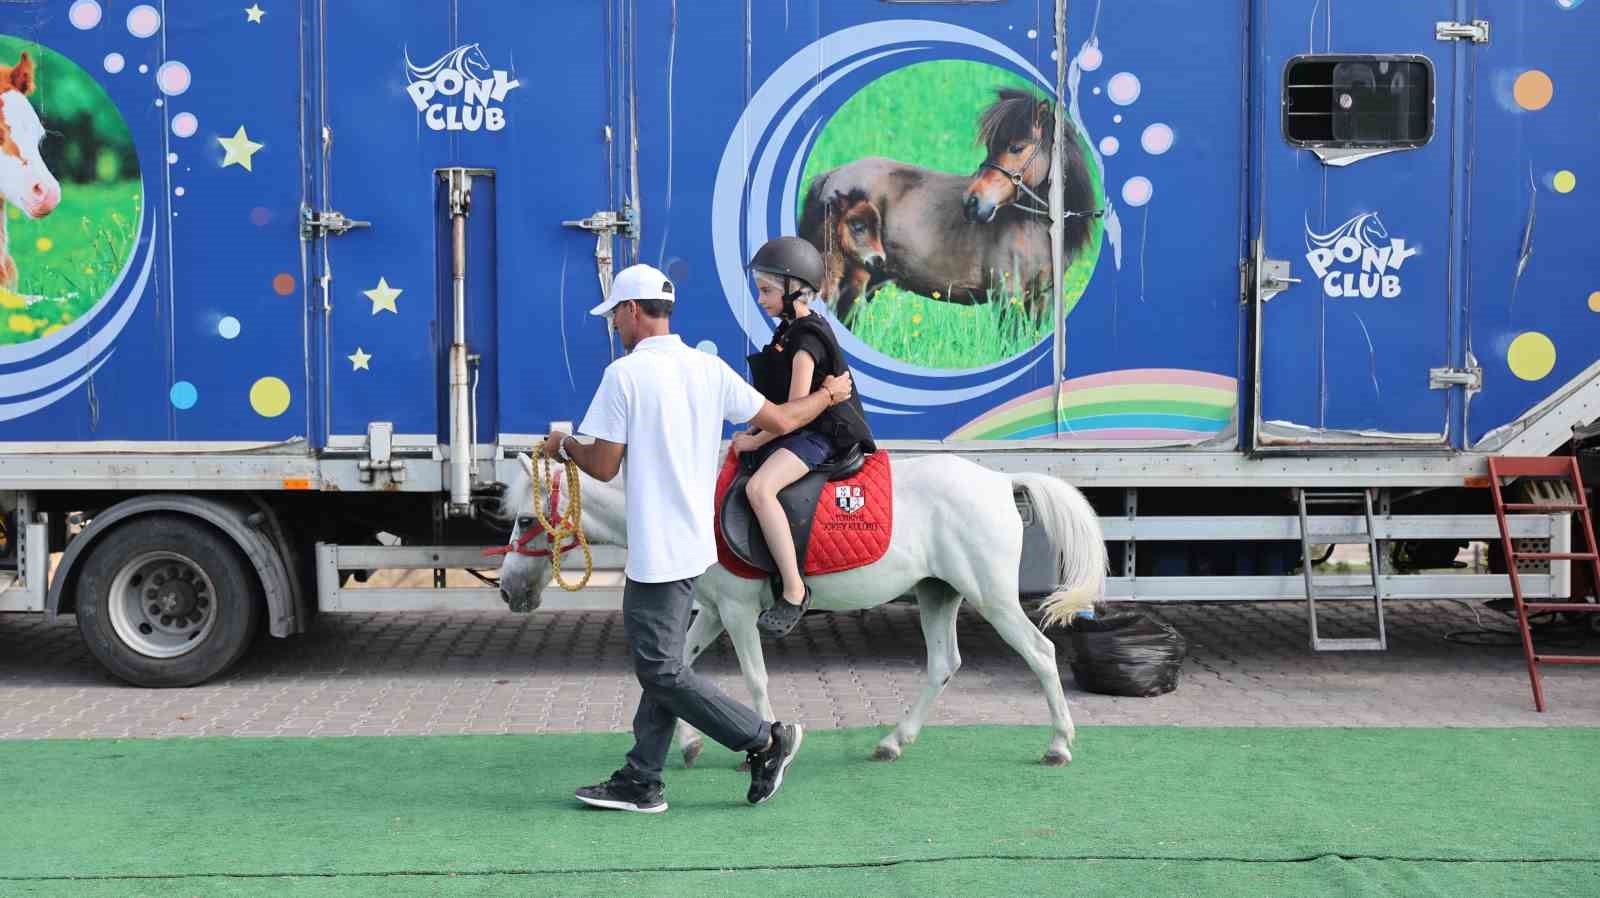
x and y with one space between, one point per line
240 148
382 297
254 13
358 362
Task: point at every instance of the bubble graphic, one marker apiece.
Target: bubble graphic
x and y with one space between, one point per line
260 215
143 69
177 191
1032 34
1117 118
183 395
1090 59
269 397
1156 139
228 327
1137 190
114 62
283 284
160 102
172 158
1569 4
1123 88
84 14
1533 90
707 347
1594 301
1109 146
1095 91
173 78
143 21
1531 356
1564 181
184 124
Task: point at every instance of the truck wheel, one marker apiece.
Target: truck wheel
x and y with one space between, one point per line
167 601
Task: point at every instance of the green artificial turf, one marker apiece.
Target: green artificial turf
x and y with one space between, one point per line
1140 811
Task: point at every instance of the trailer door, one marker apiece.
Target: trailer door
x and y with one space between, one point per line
501 113
1352 242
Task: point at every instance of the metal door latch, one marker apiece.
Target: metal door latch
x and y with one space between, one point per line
1275 278
624 224
1476 31
315 224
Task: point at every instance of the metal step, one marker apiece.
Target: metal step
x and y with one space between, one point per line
1355 644
1325 591
1341 539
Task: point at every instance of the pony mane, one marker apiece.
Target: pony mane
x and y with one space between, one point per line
1010 116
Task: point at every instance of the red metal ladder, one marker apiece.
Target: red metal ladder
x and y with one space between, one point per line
1559 468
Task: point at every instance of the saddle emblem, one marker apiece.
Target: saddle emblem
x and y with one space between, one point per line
849 498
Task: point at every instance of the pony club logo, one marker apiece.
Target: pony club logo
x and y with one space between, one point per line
459 91
1358 258
850 499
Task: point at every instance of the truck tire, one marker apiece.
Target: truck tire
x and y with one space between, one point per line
165 600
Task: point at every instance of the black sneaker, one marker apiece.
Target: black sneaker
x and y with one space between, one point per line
779 620
624 793
767 766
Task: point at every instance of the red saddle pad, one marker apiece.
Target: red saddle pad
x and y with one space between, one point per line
853 524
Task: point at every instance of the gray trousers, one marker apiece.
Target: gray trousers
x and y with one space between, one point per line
655 618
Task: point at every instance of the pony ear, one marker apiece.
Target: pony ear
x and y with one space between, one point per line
21 75
1044 115
527 463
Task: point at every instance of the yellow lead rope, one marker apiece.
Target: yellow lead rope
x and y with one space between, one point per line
571 519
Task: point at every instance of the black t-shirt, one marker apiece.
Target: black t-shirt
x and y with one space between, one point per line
773 368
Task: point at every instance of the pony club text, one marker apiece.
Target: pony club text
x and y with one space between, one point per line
459 91
1334 259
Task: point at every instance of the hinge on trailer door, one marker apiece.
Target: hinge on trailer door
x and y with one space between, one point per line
1476 31
380 449
1445 378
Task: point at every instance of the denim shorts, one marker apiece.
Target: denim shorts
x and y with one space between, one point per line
808 446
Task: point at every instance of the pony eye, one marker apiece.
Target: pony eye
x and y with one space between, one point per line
525 522
1017 148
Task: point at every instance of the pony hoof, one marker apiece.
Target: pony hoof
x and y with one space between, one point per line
1056 759
885 753
691 753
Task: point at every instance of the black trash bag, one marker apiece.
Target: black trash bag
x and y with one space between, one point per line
1127 653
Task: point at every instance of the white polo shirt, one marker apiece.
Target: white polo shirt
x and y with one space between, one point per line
666 402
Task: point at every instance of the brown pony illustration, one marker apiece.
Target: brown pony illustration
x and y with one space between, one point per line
968 238
847 229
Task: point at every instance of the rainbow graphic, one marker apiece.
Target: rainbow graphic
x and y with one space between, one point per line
1163 405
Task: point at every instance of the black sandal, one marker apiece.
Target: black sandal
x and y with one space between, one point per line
779 620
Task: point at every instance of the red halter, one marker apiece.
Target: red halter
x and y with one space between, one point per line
520 546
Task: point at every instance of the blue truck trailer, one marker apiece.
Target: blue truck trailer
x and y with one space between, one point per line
286 286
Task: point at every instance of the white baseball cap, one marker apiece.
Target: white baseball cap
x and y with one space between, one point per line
636 282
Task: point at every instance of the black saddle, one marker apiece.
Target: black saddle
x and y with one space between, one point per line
742 531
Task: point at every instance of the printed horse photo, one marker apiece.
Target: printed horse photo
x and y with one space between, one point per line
847 229
25 182
965 238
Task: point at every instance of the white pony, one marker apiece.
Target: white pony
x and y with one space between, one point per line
957 535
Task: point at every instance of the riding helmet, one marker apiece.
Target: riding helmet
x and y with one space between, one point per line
792 257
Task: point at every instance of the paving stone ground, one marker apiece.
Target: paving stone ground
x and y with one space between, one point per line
565 671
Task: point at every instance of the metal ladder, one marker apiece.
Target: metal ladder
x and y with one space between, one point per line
1318 590
1557 469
